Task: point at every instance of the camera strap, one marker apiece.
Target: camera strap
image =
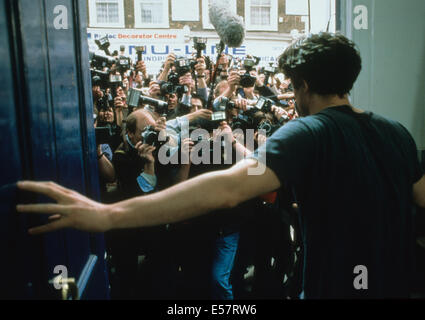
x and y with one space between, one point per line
129 142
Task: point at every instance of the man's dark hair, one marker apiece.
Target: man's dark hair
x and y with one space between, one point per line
197 96
329 63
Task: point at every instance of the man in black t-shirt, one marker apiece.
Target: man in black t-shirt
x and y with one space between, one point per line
355 177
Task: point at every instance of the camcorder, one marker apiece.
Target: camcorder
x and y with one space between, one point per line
247 80
100 62
107 78
136 97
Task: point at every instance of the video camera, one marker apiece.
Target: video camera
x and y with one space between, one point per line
135 97
100 62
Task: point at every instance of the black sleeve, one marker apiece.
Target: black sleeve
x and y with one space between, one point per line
289 153
127 174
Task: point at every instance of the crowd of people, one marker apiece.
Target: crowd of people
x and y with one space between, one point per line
343 182
226 258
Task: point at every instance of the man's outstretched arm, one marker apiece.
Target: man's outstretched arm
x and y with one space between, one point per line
194 197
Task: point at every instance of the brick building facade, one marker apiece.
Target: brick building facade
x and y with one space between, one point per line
168 25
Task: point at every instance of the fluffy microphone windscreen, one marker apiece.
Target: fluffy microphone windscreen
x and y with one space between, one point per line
229 26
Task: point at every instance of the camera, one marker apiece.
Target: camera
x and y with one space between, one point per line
139 51
103 44
268 127
247 80
219 111
241 121
199 44
249 62
225 104
135 97
264 104
103 135
123 64
100 78
270 70
197 138
184 65
100 62
172 86
151 137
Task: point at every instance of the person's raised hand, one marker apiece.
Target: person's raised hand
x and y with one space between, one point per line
201 113
119 103
154 90
71 210
145 151
279 112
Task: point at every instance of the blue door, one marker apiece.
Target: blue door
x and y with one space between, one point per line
46 133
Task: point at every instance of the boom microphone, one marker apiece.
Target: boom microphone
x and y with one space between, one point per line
230 27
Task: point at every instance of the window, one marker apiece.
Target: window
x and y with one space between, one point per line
151 13
297 7
206 24
261 15
106 13
187 11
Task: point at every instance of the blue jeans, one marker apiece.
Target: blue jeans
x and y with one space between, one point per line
224 257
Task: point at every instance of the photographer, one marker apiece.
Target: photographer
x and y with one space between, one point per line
139 78
155 92
106 119
133 158
104 157
136 173
120 106
207 275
